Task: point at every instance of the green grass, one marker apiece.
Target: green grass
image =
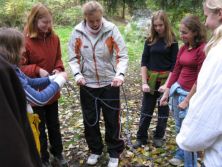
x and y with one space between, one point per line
134 42
134 51
64 34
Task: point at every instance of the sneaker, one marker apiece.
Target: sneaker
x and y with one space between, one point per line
59 161
158 142
46 164
139 143
93 159
113 162
175 162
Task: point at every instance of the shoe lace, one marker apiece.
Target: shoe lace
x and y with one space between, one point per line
114 160
93 156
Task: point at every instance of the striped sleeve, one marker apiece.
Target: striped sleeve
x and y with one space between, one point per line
41 98
33 95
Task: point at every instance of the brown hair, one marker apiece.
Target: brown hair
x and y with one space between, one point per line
38 11
193 24
91 7
11 42
169 35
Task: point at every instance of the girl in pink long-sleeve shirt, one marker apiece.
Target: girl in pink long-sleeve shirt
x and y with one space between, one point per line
202 128
189 60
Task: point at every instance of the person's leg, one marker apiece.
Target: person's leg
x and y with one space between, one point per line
163 113
179 153
54 134
148 105
178 122
111 113
53 126
91 114
190 159
43 136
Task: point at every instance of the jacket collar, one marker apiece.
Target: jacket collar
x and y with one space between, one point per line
107 26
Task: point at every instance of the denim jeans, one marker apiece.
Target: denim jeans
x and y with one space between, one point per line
189 158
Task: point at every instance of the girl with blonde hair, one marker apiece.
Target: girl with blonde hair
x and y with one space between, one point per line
202 128
98 59
158 59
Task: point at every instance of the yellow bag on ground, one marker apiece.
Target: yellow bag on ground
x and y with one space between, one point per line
34 123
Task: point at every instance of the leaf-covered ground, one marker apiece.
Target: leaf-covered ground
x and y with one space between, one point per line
75 147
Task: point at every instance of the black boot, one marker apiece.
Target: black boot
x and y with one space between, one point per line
139 143
46 164
59 161
158 142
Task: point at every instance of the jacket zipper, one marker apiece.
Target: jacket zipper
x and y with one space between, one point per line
94 59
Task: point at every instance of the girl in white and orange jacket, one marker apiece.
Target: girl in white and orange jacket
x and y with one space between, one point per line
98 59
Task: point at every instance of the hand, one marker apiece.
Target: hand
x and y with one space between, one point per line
61 78
55 71
145 87
81 81
116 82
164 98
43 73
183 105
162 88
63 74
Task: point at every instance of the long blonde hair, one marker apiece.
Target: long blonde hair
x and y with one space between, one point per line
169 35
214 6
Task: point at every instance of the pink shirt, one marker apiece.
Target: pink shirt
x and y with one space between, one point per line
187 66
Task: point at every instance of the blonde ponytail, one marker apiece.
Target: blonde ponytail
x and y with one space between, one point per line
213 5
217 36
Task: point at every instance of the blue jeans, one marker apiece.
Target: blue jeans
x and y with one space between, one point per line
189 158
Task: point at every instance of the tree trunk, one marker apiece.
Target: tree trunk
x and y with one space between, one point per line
124 8
163 4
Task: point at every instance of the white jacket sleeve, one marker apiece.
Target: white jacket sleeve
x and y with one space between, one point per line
202 125
120 52
74 55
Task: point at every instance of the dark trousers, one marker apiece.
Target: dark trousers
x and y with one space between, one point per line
91 107
148 105
49 118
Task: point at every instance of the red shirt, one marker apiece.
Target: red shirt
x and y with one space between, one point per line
42 52
187 66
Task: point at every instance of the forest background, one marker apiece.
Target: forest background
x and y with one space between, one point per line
127 15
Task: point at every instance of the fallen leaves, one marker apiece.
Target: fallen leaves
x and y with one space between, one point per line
72 128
